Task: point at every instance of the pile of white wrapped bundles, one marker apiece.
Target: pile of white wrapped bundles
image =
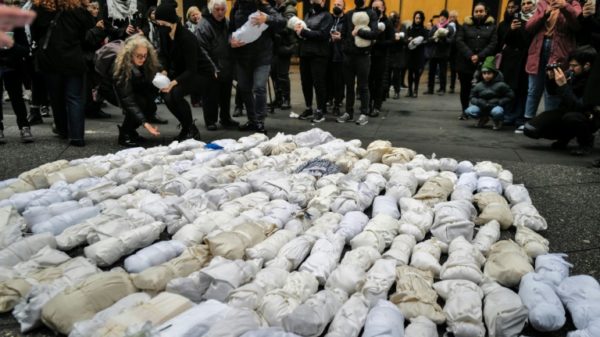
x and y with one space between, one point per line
298 235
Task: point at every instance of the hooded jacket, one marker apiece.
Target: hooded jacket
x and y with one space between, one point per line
337 54
285 42
315 40
487 95
348 45
475 38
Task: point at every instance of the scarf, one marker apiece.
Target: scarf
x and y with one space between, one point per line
526 16
121 9
443 25
551 22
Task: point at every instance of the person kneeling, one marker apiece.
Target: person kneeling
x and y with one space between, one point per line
135 66
490 96
573 119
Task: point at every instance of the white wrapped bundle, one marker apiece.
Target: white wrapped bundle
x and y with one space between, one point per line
377 149
246 202
277 304
312 138
426 255
44 258
223 278
351 317
399 155
190 205
581 295
330 179
109 251
59 223
350 275
506 263
468 180
506 178
324 257
489 184
493 206
552 268
279 212
527 215
422 161
235 323
463 307
421 326
354 196
195 321
415 296
302 189
297 225
194 233
232 244
517 194
38 177
45 197
249 295
401 249
12 187
386 205
326 223
379 281
189 286
176 186
461 193
533 243
488 169
422 175
156 177
276 184
453 219
384 319
268 249
416 219
37 214
435 190
312 317
269 332
154 255
322 200
448 164
546 312
71 174
379 233
293 253
352 224
22 250
97 231
487 235
503 311
402 178
228 192
88 327
10 226
464 262
101 192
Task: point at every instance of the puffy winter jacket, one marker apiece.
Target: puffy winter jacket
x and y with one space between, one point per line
348 45
213 37
475 38
315 39
133 95
285 42
487 95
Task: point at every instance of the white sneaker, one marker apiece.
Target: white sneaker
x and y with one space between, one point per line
362 120
318 118
27 95
520 129
344 118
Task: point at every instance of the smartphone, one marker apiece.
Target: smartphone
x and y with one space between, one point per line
517 16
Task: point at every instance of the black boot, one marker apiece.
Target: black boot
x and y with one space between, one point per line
190 132
35 116
285 104
125 138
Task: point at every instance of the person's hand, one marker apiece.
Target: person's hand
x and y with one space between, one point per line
130 30
259 19
355 31
100 24
236 43
216 75
153 130
11 17
559 77
298 28
6 42
515 24
164 72
168 89
475 59
336 36
139 31
589 9
550 74
559 4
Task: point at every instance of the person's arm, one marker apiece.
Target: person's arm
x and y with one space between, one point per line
321 33
190 58
374 32
571 11
127 101
474 98
461 45
536 22
490 48
275 20
506 95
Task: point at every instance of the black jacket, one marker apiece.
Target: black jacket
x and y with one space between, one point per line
65 49
14 58
590 32
487 95
116 28
514 51
93 40
398 49
416 57
571 94
315 40
285 41
384 39
337 55
213 37
348 45
259 52
184 58
440 48
475 38
134 93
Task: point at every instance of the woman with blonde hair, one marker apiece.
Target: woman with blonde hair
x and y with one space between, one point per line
134 68
193 17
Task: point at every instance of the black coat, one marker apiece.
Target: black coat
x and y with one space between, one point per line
416 57
571 94
591 96
314 41
65 50
348 45
514 55
337 54
440 48
285 41
14 58
213 37
116 28
475 39
133 95
398 50
259 52
385 38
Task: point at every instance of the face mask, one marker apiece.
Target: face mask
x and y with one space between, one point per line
359 3
164 29
377 11
337 10
316 7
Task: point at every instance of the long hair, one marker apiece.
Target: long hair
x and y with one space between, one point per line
384 6
53 5
124 61
422 24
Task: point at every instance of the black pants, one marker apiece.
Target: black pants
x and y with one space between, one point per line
452 63
280 73
175 99
356 69
147 105
466 84
335 82
414 76
13 83
396 78
376 80
563 126
216 102
39 92
436 64
91 107
313 74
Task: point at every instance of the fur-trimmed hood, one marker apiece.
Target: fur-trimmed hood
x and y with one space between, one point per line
470 22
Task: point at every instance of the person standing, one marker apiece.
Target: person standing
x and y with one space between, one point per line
212 33
452 59
335 70
397 55
441 38
379 58
416 35
285 45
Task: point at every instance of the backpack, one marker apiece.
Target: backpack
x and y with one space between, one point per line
104 58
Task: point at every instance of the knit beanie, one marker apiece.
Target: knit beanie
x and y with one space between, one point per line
489 64
166 12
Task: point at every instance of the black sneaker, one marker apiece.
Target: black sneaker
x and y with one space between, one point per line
211 127
238 112
285 104
374 113
319 117
45 111
396 95
229 123
35 117
26 136
307 114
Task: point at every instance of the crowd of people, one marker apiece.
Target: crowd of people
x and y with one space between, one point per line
541 48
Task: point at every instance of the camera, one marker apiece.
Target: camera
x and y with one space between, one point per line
552 66
517 16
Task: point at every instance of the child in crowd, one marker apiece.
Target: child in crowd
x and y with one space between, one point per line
490 96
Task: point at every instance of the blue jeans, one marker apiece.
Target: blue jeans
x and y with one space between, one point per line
66 98
497 112
537 85
252 85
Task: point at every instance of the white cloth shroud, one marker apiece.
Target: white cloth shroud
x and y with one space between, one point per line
379 232
153 255
506 263
384 319
415 296
351 317
525 214
249 295
486 236
11 223
421 326
195 321
581 295
546 312
463 307
379 280
24 249
385 205
533 243
268 249
552 268
293 253
517 194
416 219
59 223
426 255
324 257
453 219
311 318
401 249
351 274
352 224
464 262
503 311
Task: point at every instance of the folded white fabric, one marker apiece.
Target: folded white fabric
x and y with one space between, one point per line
415 296
453 219
324 257
486 236
398 155
235 322
312 317
506 263
464 262
195 232
11 223
384 319
435 190
552 268
100 227
350 275
416 219
379 233
533 243
59 223
525 214
426 255
488 169
22 250
379 281
160 81
386 205
401 249
546 312
268 249
325 224
351 317
154 255
493 206
463 307
517 194
249 295
352 224
223 276
489 184
503 311
421 326
232 244
293 253
581 295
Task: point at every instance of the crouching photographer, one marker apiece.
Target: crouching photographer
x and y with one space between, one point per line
573 119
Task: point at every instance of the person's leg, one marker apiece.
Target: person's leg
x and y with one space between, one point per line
411 81
363 67
547 124
178 106
443 65
380 83
577 125
244 90
319 71
275 79
465 88
473 111
433 67
417 80
453 73
225 104
350 77
283 75
56 89
210 106
339 84
13 84
74 105
306 81
259 89
534 94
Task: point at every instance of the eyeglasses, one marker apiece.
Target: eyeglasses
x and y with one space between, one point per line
140 56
